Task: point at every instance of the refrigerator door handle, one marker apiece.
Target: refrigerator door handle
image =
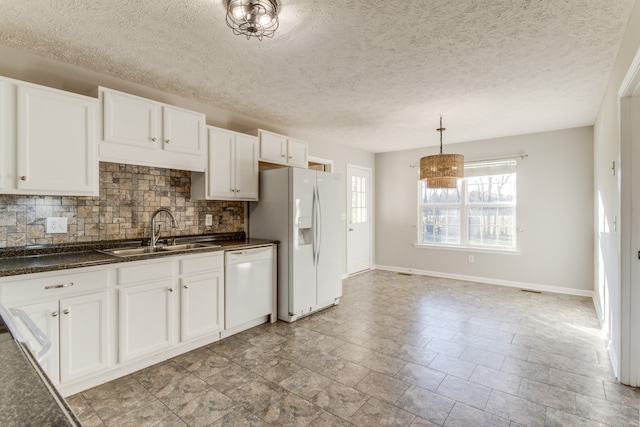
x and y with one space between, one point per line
319 225
314 223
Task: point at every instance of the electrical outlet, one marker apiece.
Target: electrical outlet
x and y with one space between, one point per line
471 259
208 220
56 225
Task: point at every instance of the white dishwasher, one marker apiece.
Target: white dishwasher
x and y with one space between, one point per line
248 285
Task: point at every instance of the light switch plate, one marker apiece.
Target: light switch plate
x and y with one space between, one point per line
56 225
208 220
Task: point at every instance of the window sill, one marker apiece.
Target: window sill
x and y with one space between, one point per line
467 249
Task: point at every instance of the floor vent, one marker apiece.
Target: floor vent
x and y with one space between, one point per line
529 290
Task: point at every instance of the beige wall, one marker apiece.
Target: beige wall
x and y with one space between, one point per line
554 213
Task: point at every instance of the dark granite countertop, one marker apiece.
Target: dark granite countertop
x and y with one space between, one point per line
35 259
25 397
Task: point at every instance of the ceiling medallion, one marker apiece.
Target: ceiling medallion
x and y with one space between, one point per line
253 18
442 170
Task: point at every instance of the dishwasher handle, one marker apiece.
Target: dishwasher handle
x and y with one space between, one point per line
248 255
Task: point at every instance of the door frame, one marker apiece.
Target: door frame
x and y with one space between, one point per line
348 213
629 196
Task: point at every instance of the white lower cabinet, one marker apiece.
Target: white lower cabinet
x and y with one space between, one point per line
202 305
149 312
201 295
108 321
145 319
83 336
78 330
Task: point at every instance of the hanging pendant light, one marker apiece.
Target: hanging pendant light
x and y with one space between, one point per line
442 170
253 18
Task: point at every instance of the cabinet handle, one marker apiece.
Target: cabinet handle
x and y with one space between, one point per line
282 155
170 289
63 285
167 141
290 157
154 139
186 287
66 311
54 314
23 177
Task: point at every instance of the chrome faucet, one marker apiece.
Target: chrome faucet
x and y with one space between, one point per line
155 230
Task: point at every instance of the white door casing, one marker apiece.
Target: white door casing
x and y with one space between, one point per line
629 310
358 219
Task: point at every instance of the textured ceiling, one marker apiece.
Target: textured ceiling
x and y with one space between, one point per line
371 74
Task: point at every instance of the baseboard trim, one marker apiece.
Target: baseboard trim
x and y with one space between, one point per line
489 281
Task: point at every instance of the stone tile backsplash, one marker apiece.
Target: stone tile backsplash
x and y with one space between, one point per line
128 196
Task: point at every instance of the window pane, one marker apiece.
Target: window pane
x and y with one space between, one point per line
492 226
358 200
440 195
440 225
492 189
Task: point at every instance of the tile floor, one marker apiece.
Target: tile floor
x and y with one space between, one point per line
399 350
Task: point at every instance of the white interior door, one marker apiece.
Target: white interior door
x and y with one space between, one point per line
358 219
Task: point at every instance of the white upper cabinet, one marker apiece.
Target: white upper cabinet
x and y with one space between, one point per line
47 141
282 150
130 120
232 168
143 132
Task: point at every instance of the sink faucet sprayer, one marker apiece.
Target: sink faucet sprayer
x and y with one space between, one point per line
155 231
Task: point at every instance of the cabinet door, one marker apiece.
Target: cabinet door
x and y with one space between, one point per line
56 142
130 120
182 130
145 319
202 306
273 147
246 167
7 147
45 316
83 335
220 167
297 153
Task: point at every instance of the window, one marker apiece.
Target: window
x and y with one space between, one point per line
358 200
480 212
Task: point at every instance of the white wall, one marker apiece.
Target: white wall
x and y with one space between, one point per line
607 290
35 69
555 212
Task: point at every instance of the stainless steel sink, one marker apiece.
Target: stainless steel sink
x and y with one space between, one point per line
146 250
188 246
142 250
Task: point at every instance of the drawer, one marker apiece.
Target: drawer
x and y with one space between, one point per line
48 286
201 263
143 272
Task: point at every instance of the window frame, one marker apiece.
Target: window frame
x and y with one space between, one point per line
465 207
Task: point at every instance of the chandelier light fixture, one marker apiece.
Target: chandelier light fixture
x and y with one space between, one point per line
253 18
442 170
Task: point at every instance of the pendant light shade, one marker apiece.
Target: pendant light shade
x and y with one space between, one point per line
442 170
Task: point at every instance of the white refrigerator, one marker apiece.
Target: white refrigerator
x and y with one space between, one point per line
301 208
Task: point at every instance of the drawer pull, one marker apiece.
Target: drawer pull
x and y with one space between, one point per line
186 287
54 314
66 311
63 285
170 289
